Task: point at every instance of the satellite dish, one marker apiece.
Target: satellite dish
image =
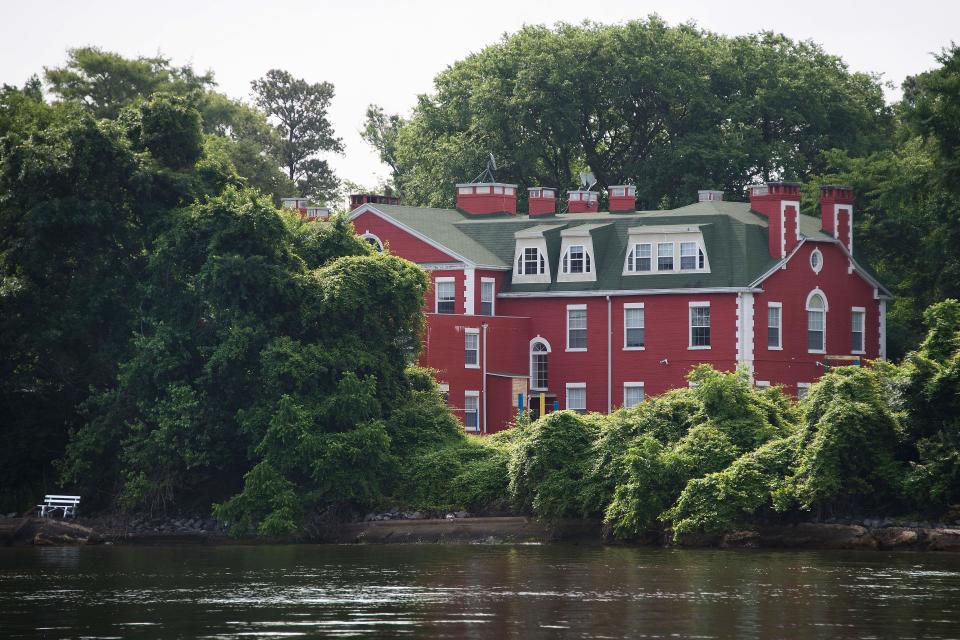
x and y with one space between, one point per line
492 165
587 180
487 174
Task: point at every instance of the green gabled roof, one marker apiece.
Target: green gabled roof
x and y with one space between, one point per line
735 240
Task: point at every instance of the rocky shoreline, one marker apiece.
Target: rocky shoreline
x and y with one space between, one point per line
396 526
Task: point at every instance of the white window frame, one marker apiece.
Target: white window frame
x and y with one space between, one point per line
576 385
633 257
775 305
806 390
577 307
819 255
863 330
690 307
673 265
467 332
634 305
760 384
493 295
695 256
475 395
633 385
436 294
826 308
567 260
370 236
533 377
444 389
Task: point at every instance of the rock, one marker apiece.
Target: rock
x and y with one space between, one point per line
818 536
416 515
459 514
450 516
741 540
896 537
943 540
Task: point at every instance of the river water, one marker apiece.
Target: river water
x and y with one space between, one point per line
474 591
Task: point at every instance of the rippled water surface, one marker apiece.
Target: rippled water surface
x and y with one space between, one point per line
468 591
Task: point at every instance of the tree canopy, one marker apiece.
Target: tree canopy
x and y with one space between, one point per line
672 109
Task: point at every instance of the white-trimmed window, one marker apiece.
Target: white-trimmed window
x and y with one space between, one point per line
471 410
664 256
632 394
576 260
688 256
446 295
857 317
374 241
639 258
444 392
699 325
634 334
471 348
803 388
775 326
816 323
531 262
576 327
487 290
761 384
539 350
816 260
577 396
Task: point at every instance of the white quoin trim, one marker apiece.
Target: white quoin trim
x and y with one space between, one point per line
883 329
745 330
469 291
783 224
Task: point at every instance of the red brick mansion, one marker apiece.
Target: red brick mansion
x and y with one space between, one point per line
596 309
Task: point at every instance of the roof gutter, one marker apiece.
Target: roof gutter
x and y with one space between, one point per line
626 292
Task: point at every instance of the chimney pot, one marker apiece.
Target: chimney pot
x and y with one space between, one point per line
541 201
581 201
482 198
623 197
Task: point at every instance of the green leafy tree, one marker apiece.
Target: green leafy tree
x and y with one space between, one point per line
675 108
300 111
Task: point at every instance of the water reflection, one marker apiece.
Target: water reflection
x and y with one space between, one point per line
425 591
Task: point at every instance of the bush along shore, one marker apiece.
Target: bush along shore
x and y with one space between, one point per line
718 463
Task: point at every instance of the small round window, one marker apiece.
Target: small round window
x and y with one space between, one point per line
816 260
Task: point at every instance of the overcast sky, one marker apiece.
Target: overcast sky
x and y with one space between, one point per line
387 52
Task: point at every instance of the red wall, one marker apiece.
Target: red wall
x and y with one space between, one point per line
791 286
401 243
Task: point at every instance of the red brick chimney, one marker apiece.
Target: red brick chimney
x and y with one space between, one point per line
623 197
836 213
779 202
580 201
541 201
482 198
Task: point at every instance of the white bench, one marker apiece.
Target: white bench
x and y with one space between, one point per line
53 503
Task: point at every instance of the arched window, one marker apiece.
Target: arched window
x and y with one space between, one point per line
374 241
816 322
538 364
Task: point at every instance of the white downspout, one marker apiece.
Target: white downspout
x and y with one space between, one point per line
609 355
484 383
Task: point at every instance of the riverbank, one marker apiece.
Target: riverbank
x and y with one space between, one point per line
495 530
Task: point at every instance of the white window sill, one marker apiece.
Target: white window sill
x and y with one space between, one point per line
569 350
634 348
774 348
539 390
471 366
691 348
816 351
858 353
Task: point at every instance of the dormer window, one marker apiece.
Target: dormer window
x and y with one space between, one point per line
531 262
667 241
576 260
664 256
639 257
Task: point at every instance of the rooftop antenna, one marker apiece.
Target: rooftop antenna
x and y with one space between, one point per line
587 180
487 174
